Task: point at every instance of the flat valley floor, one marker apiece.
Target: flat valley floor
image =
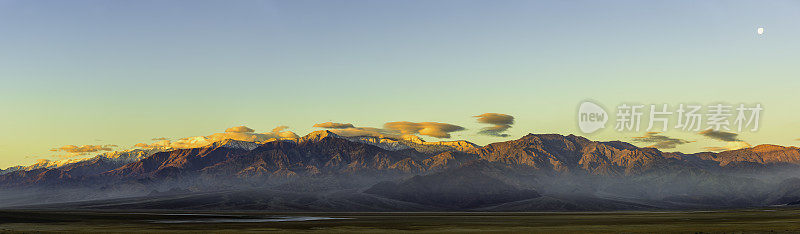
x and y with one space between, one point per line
782 219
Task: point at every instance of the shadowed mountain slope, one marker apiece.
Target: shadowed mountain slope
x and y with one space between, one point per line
537 170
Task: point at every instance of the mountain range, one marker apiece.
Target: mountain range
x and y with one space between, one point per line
323 171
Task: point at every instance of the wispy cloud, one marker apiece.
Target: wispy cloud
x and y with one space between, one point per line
720 135
732 140
731 145
660 141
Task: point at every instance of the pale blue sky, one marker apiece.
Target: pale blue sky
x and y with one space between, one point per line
122 72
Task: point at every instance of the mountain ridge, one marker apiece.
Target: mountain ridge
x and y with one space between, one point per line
549 165
551 152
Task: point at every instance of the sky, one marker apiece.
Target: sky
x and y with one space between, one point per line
104 73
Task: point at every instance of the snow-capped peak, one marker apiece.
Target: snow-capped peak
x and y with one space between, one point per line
317 136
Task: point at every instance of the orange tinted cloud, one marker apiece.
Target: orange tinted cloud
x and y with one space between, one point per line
241 133
495 118
239 129
393 129
434 129
333 125
501 122
280 128
365 131
348 130
84 148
